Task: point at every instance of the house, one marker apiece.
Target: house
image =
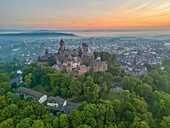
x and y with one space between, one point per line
56 102
138 70
40 97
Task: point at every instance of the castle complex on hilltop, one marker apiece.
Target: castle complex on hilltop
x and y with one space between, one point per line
73 60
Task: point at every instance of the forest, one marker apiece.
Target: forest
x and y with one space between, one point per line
143 103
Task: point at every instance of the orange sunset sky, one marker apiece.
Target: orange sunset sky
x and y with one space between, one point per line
84 14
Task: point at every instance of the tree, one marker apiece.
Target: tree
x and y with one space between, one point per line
90 90
103 89
25 123
38 124
139 105
27 111
75 88
117 106
137 123
63 92
28 79
63 121
56 122
165 123
3 78
147 91
9 123
166 62
95 93
52 61
75 118
9 111
56 91
6 86
91 72
84 126
108 79
2 91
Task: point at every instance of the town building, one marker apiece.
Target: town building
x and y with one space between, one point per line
40 97
138 70
56 102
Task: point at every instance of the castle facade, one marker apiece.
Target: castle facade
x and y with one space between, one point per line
78 60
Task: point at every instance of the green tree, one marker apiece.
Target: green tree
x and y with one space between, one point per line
91 72
56 91
38 124
9 111
75 118
9 123
28 79
3 78
6 86
52 61
56 122
165 123
25 123
63 121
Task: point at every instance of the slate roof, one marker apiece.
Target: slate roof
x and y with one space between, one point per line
56 99
96 63
30 92
87 55
46 57
43 58
66 109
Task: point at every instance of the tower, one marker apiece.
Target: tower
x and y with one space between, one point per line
61 44
69 63
46 52
85 48
62 52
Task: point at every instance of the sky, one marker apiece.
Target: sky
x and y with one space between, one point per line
84 14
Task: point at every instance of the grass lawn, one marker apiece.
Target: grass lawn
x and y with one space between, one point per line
41 89
111 96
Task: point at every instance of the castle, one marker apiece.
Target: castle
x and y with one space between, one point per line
78 60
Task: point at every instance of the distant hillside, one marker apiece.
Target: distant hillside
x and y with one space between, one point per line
162 36
48 34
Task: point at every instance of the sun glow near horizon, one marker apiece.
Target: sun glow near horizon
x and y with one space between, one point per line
85 14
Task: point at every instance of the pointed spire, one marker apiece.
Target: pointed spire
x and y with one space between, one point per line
46 51
61 42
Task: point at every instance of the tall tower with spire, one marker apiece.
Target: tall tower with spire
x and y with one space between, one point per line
62 50
61 44
46 52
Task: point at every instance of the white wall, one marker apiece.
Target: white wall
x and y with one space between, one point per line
65 103
43 99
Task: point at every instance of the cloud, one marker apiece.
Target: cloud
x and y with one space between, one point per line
121 7
127 12
92 4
